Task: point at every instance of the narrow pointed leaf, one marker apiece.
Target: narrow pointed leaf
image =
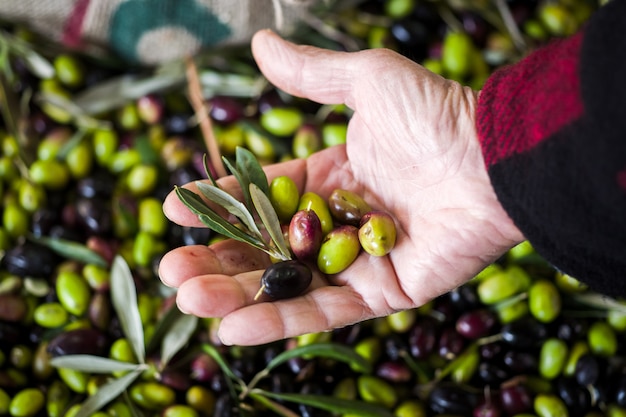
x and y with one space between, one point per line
277 408
214 221
72 250
338 406
231 204
603 302
177 337
207 170
268 215
242 180
211 351
327 350
162 327
93 364
124 299
106 393
249 166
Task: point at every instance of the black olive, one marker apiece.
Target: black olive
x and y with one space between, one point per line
30 259
286 279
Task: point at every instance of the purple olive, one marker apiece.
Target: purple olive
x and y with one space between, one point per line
305 234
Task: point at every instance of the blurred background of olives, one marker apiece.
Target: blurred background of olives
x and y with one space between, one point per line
86 160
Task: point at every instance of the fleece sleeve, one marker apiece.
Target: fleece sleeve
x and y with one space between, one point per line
553 133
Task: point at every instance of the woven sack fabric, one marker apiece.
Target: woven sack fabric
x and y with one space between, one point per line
153 31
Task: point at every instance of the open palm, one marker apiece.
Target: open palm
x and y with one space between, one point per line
412 150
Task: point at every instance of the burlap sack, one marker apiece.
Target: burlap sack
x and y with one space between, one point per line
153 31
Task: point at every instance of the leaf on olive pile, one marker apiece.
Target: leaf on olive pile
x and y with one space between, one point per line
177 337
93 364
71 250
124 299
106 393
336 405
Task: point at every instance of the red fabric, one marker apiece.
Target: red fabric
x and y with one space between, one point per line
72 30
522 105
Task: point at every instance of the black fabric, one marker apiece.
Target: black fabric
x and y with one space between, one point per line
564 194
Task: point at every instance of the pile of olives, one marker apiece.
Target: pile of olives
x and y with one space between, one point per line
80 187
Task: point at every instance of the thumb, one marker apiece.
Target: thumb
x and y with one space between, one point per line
320 75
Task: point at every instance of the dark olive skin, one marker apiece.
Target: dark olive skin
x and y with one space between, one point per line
286 279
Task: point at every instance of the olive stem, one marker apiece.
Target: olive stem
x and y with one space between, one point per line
489 339
259 292
202 116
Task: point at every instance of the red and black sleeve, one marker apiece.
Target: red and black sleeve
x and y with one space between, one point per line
553 133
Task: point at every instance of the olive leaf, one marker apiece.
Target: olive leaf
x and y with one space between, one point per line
243 183
213 352
249 167
178 335
207 170
93 364
79 116
231 204
106 393
36 64
124 299
162 326
71 250
269 218
336 405
603 302
76 138
277 408
215 222
327 350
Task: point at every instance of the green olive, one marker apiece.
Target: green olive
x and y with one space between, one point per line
75 380
552 358
306 141
402 321
376 391
578 349
27 403
105 143
398 9
549 405
122 350
15 220
41 367
52 174
142 179
69 70
345 389
602 339
128 117
334 134
123 160
31 196
465 366
230 138
57 398
80 160
509 312
73 292
377 234
497 287
260 145
455 58
410 408
50 145
201 399
285 197
180 410
119 409
557 19
5 400
151 218
152 395
369 348
544 301
97 277
568 283
339 248
614 410
145 248
282 121
313 201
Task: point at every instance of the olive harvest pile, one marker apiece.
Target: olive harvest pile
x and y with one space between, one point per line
88 151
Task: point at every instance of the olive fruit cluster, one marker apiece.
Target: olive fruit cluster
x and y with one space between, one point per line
331 232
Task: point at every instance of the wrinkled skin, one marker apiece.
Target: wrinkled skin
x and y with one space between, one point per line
412 150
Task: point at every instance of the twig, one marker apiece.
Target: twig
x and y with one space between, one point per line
203 119
511 26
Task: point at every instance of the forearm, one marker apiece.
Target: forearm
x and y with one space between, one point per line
552 131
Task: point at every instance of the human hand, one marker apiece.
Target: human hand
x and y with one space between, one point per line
412 150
